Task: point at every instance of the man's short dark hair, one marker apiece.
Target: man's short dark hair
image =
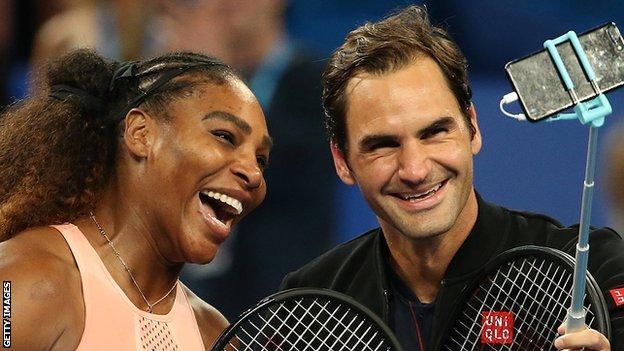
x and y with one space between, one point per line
384 47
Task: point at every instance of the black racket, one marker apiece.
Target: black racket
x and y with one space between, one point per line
518 301
307 319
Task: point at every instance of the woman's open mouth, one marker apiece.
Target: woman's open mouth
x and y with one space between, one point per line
219 210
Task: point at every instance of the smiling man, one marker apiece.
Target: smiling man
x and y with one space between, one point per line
404 130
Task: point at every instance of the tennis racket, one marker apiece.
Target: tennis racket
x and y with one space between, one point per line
307 319
518 301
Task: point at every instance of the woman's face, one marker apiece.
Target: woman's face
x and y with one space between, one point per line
205 169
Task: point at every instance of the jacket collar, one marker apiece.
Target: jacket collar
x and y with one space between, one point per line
479 247
382 256
483 242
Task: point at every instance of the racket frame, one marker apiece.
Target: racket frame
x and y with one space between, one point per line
229 333
601 320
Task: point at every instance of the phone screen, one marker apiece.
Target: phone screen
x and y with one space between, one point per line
541 91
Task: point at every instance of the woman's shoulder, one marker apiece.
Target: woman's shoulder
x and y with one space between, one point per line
38 268
38 252
209 320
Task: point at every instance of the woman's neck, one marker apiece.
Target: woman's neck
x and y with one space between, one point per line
134 236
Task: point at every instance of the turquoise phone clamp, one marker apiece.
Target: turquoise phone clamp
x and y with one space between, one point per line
592 111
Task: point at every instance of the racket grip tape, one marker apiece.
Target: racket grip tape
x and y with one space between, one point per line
575 321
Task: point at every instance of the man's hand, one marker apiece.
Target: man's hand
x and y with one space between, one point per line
587 338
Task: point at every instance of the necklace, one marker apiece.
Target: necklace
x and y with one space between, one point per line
150 306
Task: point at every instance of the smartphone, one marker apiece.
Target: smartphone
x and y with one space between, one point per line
541 90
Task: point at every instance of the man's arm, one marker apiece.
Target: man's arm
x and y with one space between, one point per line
606 264
288 282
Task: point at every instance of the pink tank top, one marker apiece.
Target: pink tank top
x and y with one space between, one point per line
113 322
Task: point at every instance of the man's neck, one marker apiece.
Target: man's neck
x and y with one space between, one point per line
422 263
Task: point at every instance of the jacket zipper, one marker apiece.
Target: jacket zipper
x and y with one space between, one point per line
386 305
421 343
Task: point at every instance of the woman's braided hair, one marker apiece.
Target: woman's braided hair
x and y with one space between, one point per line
58 148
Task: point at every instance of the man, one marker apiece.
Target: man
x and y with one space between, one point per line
403 128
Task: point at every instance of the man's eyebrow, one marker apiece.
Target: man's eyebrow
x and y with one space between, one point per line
226 116
443 122
367 142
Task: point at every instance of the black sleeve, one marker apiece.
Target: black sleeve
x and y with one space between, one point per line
288 282
606 264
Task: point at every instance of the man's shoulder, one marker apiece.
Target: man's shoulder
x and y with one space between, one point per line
340 261
547 223
522 219
541 229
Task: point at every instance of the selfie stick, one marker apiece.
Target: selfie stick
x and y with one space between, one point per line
592 112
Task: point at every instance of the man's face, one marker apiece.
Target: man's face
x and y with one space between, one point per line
409 149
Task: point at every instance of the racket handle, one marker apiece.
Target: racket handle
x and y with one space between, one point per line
575 321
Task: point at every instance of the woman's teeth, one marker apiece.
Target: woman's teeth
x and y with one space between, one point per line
232 202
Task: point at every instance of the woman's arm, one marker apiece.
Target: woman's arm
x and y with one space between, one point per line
47 312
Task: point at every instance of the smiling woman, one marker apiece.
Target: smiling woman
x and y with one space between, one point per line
112 177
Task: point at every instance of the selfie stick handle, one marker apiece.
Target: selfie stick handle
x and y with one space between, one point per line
592 112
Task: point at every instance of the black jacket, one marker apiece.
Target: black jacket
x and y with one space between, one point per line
358 267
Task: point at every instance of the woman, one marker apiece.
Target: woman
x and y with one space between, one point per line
152 163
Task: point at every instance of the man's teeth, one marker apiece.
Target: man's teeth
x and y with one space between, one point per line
424 194
225 199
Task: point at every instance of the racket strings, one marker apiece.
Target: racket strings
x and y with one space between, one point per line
540 325
528 298
489 295
307 324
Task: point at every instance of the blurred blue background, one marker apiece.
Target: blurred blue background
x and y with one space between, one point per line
535 167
